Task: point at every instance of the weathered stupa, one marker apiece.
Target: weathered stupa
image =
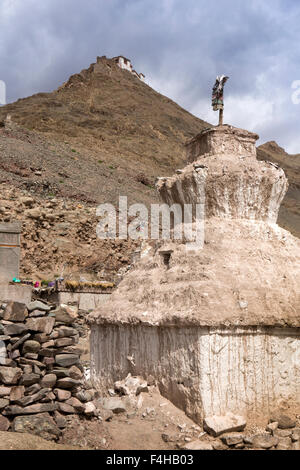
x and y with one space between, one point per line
217 326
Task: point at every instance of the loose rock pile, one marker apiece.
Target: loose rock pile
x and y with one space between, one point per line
41 376
281 433
56 233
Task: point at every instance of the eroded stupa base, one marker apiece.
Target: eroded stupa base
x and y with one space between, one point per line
204 371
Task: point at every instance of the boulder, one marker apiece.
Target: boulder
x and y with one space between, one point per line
75 373
4 423
41 425
37 313
271 427
62 342
62 395
31 409
65 408
8 362
10 375
28 400
131 385
65 331
31 347
114 404
35 213
264 441
14 329
17 393
37 305
32 389
284 421
85 396
76 404
67 383
15 312
29 379
42 324
15 354
217 425
66 360
4 402
4 391
48 381
90 409
232 439
66 314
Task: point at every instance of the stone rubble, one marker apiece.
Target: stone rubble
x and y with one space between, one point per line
217 425
41 376
222 432
285 437
73 241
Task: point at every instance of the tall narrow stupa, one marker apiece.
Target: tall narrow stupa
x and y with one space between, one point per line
218 325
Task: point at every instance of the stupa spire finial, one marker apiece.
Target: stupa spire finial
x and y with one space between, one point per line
217 96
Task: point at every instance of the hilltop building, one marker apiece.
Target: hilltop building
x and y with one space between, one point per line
126 64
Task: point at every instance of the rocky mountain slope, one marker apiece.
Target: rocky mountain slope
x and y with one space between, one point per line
102 134
107 134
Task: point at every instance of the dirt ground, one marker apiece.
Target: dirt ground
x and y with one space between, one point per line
156 425
17 441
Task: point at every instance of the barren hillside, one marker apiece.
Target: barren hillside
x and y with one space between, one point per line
107 134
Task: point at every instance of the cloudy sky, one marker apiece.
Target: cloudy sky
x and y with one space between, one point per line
181 45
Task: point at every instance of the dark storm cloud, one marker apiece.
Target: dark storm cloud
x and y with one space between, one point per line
180 45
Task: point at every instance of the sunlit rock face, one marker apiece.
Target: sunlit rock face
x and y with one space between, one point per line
218 326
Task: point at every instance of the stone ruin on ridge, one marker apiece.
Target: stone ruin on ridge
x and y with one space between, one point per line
217 327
